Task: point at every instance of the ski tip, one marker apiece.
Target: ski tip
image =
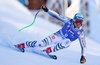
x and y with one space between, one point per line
53 57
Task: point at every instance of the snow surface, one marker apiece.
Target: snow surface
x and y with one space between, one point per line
14 16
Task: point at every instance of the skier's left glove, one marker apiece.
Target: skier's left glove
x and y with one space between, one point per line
82 60
45 8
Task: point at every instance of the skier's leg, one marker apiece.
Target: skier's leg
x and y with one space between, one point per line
35 44
46 41
59 45
55 37
52 39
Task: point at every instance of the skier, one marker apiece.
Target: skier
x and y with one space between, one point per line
71 31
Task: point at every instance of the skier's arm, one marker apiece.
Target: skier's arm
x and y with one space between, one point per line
82 44
83 48
55 15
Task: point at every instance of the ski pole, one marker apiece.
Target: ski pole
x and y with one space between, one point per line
33 20
31 23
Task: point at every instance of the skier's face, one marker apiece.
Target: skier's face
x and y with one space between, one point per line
77 23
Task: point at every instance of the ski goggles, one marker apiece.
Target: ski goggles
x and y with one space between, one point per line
78 22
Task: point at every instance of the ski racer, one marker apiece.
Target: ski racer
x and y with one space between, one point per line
71 31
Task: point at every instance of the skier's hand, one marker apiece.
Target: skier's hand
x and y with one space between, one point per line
44 8
82 60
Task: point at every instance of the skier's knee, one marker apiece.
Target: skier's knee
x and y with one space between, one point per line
66 43
61 45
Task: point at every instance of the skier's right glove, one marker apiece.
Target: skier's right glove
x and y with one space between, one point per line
82 60
45 8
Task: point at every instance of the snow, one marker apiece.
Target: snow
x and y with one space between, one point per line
14 16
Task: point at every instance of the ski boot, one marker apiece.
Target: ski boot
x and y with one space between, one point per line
21 47
48 51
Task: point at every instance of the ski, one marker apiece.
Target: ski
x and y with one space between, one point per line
53 56
42 53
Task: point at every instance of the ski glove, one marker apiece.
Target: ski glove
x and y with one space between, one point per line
45 8
82 60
